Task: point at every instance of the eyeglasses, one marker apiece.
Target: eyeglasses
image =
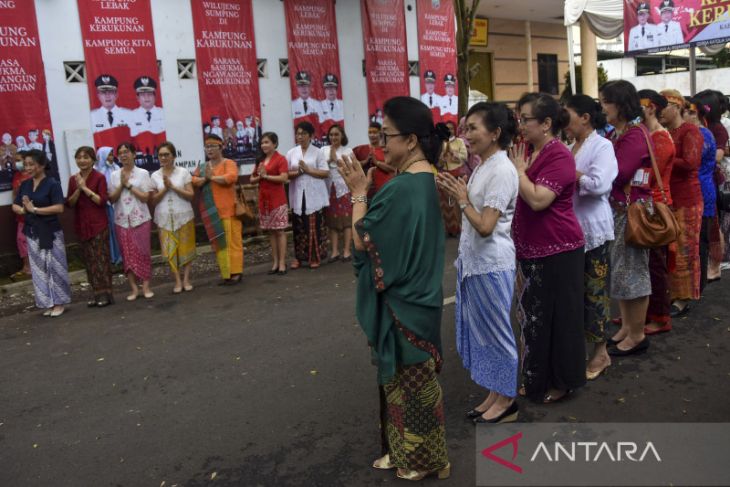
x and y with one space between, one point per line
524 120
384 137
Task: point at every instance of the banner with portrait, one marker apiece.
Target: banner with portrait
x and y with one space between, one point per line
662 25
25 122
386 53
225 53
314 65
437 58
123 76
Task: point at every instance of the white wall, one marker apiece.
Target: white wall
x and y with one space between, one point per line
60 37
622 68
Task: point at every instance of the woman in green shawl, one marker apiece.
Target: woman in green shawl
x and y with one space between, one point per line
399 261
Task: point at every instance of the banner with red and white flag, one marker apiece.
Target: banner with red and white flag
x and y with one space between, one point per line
123 76
386 53
437 58
25 122
225 52
314 64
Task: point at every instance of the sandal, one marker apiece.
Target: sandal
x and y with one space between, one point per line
549 399
383 463
442 473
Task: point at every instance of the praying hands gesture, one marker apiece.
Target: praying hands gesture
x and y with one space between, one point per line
456 187
351 171
80 181
518 156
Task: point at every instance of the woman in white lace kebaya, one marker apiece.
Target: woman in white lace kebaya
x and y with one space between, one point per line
596 168
486 262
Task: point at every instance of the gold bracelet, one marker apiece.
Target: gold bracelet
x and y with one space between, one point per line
359 199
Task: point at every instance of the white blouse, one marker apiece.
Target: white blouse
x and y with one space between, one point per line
129 212
494 184
597 161
335 178
173 211
314 189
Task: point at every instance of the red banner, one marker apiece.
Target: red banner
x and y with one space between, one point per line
314 64
123 77
386 53
663 25
225 53
437 58
25 122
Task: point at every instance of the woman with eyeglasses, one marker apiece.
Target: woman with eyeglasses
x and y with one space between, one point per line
271 174
596 168
174 215
339 211
308 198
217 179
130 192
87 195
399 295
684 282
40 201
630 282
549 244
657 314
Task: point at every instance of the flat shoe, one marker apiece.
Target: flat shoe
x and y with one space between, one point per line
474 413
655 331
347 259
188 288
149 295
383 463
314 265
56 314
281 273
294 265
549 399
640 347
676 311
91 304
509 415
334 258
175 290
442 473
132 297
593 375
48 312
272 272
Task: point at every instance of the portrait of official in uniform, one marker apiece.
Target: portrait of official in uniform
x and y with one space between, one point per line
669 32
449 102
109 115
332 108
643 34
429 97
304 104
148 117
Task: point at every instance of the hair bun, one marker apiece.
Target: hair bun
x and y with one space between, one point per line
441 130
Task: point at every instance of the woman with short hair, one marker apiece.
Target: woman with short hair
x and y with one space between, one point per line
339 211
40 201
174 215
308 198
596 168
130 191
399 296
87 195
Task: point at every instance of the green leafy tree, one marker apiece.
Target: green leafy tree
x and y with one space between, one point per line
465 11
602 78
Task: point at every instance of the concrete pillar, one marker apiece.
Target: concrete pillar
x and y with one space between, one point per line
528 43
589 60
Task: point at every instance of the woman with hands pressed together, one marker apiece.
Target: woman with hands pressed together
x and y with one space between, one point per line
40 201
308 197
399 261
271 174
130 191
87 195
217 179
549 245
339 211
174 215
486 262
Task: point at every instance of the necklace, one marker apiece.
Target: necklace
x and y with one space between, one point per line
408 165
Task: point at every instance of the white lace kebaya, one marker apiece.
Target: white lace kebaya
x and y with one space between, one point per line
597 161
493 184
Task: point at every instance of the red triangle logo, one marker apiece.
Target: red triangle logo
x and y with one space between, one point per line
514 441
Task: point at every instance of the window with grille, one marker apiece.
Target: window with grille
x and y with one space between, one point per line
186 68
75 71
284 68
262 67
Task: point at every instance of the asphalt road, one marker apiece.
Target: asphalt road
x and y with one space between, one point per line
270 384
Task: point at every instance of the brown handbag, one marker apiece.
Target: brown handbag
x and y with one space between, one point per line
648 224
243 210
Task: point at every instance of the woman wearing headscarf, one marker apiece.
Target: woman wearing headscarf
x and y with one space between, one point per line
217 179
106 165
399 295
684 282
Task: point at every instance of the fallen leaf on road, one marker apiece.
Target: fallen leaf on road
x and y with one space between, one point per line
313 372
121 460
686 400
213 475
238 358
162 484
622 400
100 359
716 318
35 445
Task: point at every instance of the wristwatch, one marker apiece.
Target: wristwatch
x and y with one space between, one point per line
462 206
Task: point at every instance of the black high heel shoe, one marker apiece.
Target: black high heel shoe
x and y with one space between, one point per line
508 416
474 413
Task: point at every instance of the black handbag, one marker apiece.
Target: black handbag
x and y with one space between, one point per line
723 197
